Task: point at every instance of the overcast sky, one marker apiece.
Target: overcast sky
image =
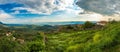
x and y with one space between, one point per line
35 11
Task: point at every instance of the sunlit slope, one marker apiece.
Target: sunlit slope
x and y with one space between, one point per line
105 40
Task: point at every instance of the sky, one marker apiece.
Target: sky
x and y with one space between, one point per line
36 11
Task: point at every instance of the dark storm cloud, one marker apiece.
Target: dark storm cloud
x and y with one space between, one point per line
106 7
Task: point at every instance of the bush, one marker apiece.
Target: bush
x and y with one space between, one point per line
36 47
97 37
76 48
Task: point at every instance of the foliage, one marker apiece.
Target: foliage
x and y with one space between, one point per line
6 44
36 47
88 25
106 39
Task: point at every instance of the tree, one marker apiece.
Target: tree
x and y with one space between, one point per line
88 24
113 21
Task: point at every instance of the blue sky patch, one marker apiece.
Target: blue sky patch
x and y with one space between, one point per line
9 6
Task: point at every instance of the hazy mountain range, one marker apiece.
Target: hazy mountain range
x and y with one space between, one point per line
50 23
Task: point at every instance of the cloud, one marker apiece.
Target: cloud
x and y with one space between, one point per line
29 10
105 7
56 18
49 8
4 16
44 6
113 17
5 1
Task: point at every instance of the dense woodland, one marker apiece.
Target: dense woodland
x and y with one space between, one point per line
88 37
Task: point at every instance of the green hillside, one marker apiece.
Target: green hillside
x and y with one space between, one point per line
103 39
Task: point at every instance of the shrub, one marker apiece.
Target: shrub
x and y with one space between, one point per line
97 37
76 48
36 47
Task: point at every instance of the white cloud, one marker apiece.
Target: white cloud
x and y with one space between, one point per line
48 6
113 17
4 16
57 18
44 6
29 10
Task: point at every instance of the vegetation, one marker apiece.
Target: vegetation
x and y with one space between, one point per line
88 25
66 38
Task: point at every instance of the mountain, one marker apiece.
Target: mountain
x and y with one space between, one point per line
14 24
1 23
63 23
49 23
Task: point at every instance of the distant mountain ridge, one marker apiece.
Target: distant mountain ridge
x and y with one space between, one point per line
1 23
11 24
49 23
63 23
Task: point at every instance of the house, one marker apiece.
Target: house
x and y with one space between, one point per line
102 23
8 34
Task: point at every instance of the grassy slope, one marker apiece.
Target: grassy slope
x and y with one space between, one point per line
105 40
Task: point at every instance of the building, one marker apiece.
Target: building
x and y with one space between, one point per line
102 23
8 34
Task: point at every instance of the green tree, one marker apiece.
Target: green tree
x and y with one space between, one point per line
88 24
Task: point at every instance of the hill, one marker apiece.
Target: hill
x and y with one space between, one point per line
104 40
1 23
32 39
